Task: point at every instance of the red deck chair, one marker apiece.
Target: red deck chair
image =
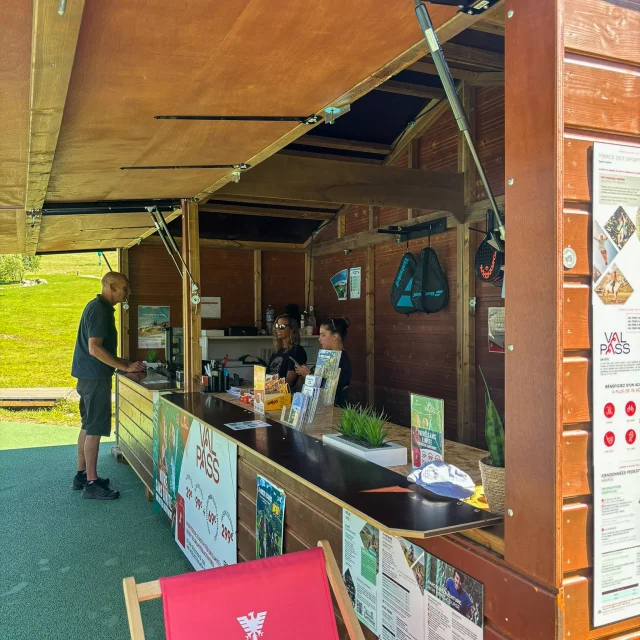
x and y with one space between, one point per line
280 598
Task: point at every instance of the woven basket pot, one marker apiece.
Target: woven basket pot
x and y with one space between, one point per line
493 484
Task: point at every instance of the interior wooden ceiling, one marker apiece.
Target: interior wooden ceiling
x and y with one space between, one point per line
136 60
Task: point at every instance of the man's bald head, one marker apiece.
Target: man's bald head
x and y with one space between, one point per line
115 287
114 277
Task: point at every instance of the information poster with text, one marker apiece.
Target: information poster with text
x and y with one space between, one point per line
402 589
206 499
616 382
427 429
361 568
454 603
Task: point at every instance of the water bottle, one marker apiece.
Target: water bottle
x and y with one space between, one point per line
270 318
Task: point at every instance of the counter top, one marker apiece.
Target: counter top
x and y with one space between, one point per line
376 494
151 380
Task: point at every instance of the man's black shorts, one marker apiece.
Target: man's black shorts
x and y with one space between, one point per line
95 406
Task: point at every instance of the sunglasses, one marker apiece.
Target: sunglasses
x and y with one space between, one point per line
282 327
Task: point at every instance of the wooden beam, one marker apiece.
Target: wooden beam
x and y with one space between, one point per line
275 202
342 226
123 334
351 183
471 56
211 243
417 128
53 47
413 163
466 165
478 78
191 319
257 288
370 324
328 156
446 30
152 230
412 89
475 212
345 145
465 338
489 27
276 212
309 277
374 213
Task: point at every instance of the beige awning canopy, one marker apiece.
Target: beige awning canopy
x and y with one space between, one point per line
81 93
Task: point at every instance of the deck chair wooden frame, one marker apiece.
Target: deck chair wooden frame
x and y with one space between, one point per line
134 594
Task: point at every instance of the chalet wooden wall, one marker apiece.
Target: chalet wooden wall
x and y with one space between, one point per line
227 273
601 89
328 306
419 353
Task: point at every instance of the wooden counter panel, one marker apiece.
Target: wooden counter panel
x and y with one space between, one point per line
578 154
575 323
577 235
133 429
577 470
576 390
141 420
141 402
577 536
578 604
601 98
513 605
604 29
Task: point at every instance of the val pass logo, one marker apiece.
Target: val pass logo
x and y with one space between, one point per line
614 344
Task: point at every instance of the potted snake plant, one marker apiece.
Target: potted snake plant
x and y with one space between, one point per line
492 467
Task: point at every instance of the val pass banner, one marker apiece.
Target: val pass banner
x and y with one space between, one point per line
616 382
195 479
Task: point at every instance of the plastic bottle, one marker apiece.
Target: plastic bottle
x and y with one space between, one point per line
311 320
270 317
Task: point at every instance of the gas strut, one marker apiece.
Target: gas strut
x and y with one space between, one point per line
456 106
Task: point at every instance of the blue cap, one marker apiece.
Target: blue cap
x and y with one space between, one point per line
443 479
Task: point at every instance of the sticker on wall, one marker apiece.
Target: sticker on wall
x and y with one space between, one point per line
355 282
339 282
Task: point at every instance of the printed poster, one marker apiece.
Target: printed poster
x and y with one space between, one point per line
402 590
496 329
361 568
427 429
339 282
270 501
454 603
152 325
259 384
195 482
355 282
616 382
210 307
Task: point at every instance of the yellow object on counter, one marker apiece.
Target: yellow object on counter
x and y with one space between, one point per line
478 499
275 401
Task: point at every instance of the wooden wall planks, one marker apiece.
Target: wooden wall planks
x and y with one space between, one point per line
490 138
417 353
226 273
328 306
283 280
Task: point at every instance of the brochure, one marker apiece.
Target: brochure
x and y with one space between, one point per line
270 501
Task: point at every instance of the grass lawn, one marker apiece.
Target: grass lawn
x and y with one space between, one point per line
20 435
65 413
38 325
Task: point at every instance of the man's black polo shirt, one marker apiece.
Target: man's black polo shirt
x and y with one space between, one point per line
98 321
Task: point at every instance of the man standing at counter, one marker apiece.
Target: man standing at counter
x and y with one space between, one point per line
94 361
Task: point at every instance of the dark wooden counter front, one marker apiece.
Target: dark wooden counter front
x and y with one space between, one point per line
376 494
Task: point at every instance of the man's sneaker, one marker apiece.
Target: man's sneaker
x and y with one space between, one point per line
97 491
79 481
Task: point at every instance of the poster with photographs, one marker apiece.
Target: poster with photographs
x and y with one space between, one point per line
616 381
454 603
402 589
361 568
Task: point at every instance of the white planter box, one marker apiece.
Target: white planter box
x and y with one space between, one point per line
392 455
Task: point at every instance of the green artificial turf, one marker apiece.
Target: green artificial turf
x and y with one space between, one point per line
63 557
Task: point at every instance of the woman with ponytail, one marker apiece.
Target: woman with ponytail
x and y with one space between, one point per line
333 333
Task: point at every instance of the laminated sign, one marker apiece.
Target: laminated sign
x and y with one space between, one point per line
427 429
616 382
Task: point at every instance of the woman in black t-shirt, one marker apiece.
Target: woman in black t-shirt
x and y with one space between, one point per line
332 336
287 351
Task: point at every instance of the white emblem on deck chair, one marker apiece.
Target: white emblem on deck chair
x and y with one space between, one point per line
252 625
